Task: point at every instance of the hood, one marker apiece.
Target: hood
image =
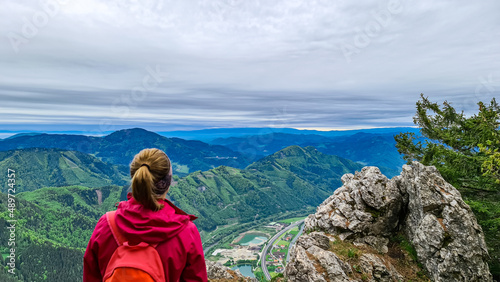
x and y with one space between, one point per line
140 224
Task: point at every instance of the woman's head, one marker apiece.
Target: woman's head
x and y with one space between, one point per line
151 173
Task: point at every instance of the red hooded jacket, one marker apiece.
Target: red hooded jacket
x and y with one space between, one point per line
178 239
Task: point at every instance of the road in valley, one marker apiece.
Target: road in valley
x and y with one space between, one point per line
269 246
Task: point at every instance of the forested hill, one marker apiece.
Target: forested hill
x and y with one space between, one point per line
309 164
52 230
120 147
375 149
288 180
368 149
54 224
39 167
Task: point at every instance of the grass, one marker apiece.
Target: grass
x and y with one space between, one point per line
486 208
346 250
352 253
259 274
226 245
281 242
212 258
274 274
405 245
290 220
401 255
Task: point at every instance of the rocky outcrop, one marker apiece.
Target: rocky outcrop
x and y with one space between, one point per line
442 227
361 229
219 273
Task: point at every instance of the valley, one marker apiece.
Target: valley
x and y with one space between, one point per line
262 251
248 213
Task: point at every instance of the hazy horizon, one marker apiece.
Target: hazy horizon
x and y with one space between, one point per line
8 133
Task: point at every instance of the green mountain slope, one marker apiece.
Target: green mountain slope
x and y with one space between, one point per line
368 149
377 149
37 167
58 221
120 147
53 228
307 163
288 180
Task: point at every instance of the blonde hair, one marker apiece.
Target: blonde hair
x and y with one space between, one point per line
149 168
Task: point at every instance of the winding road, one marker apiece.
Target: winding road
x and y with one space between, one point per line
266 248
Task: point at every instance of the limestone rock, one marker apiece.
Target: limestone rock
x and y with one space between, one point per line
369 210
318 239
442 228
368 205
310 262
380 270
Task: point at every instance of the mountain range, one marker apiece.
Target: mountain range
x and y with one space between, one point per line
55 223
64 183
368 147
377 149
207 135
120 147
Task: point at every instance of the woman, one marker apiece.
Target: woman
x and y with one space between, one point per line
148 217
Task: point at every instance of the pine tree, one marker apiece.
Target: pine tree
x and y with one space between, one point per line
465 150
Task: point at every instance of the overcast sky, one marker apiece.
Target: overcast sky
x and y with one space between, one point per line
172 65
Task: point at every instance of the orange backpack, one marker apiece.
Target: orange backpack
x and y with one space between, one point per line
139 262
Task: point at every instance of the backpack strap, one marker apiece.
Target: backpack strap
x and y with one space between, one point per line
120 239
110 216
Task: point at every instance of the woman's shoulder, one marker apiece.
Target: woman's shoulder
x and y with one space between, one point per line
191 227
103 220
190 232
101 227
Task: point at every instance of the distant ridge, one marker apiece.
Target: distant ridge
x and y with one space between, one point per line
367 148
211 134
120 147
22 134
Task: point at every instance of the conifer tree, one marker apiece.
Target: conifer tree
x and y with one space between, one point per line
464 149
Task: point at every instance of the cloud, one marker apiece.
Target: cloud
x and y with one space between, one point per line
235 63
